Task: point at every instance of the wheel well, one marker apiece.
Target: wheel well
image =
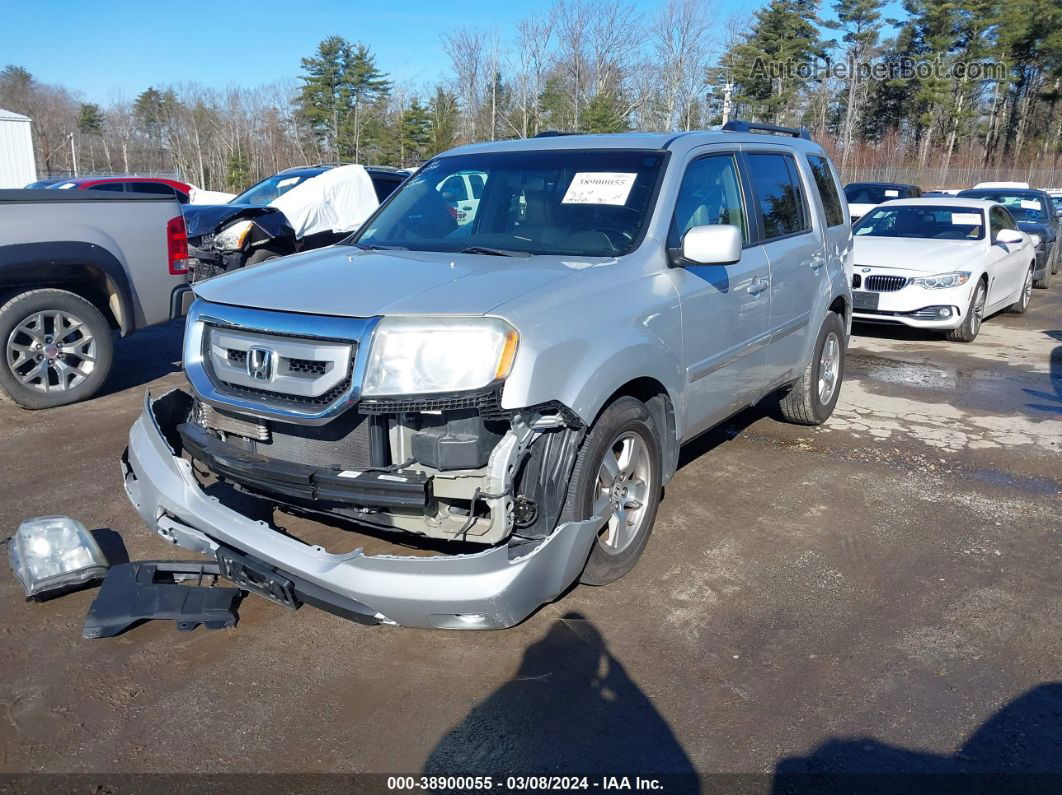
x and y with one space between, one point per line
840 306
653 394
95 287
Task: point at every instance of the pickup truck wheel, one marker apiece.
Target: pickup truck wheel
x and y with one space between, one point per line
57 348
812 398
617 474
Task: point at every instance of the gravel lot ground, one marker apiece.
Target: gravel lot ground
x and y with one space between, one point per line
879 593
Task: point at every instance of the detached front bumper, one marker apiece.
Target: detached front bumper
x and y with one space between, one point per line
496 588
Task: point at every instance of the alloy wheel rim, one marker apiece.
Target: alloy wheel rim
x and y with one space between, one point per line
51 351
979 307
829 367
621 491
1027 288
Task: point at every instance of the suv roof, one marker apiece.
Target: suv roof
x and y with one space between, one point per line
674 142
883 184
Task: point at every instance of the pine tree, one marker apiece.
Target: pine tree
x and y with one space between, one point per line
443 113
766 65
860 23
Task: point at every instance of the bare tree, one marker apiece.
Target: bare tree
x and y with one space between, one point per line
680 38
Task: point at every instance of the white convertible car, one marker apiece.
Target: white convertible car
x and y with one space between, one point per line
942 263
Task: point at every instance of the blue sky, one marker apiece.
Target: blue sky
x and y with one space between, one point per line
107 49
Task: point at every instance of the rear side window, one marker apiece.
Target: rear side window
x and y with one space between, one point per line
384 187
777 187
831 200
157 188
114 187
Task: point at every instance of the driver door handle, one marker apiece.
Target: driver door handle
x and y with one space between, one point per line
758 285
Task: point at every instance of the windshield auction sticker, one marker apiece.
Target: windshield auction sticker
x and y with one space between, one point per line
599 187
966 219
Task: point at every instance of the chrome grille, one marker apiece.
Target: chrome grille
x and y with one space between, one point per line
885 284
298 368
297 371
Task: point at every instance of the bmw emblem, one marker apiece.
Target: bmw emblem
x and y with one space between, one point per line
866 270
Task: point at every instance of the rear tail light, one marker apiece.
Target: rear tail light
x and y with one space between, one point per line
177 246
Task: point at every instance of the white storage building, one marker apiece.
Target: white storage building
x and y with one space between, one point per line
17 167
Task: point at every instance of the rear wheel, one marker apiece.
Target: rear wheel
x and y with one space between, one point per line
1044 281
1022 304
57 348
617 475
811 399
975 313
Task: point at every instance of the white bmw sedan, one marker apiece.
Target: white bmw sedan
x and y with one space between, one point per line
942 263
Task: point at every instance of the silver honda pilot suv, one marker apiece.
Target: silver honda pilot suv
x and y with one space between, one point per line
499 368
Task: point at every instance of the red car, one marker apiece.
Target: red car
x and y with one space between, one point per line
169 187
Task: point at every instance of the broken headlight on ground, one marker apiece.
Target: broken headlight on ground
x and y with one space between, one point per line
55 553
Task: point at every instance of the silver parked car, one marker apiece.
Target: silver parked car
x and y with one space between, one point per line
511 388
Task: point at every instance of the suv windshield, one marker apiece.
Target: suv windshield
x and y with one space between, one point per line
262 193
581 203
1023 206
925 221
860 193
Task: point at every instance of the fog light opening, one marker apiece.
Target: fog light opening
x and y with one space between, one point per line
944 311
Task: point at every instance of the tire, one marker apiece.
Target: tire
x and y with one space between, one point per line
1020 306
262 255
971 324
810 400
81 358
625 422
1056 251
1043 282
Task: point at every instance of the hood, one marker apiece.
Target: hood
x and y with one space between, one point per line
858 210
1041 230
350 282
913 254
206 219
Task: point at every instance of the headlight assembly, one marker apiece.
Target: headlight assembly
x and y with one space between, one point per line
415 356
942 280
233 237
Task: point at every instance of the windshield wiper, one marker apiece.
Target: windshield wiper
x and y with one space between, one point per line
496 252
374 247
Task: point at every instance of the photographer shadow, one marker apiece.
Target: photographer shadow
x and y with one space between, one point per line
1018 749
571 708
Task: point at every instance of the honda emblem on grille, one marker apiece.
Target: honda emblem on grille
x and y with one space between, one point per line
261 362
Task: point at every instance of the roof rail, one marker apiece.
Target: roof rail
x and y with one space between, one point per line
751 126
552 134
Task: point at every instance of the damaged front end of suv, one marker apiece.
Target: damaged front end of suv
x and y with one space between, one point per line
319 415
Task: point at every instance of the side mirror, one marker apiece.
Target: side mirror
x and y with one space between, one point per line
715 244
1009 236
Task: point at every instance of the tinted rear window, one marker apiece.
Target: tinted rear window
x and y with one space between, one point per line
831 201
777 188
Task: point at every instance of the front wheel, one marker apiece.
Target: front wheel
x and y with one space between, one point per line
57 348
975 313
617 475
810 400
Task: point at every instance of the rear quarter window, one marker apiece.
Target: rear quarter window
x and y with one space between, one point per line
827 187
